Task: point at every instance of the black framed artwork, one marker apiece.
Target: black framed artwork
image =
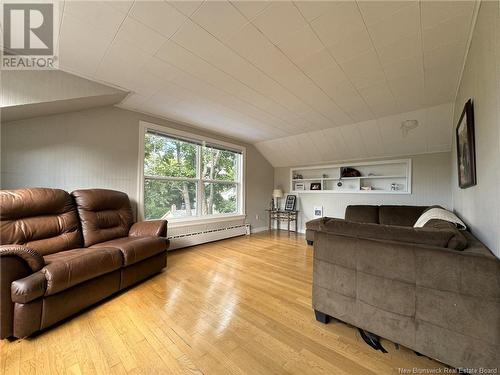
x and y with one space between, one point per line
290 202
315 186
466 150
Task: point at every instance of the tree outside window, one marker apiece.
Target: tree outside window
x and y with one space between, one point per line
185 179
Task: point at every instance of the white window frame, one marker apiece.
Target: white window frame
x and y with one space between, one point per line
144 127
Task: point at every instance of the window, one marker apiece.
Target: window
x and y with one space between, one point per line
187 178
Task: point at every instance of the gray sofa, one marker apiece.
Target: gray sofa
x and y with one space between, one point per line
435 289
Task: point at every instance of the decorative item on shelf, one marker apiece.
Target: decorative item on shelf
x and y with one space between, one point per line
366 188
349 172
300 186
277 194
290 202
325 175
297 176
394 187
466 153
315 185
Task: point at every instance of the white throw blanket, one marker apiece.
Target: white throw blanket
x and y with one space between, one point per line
441 214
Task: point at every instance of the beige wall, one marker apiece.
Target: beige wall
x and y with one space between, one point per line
479 205
430 185
99 148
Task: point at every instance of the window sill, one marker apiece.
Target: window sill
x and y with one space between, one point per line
176 223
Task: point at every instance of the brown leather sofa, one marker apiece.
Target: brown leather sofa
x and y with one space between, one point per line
60 253
434 289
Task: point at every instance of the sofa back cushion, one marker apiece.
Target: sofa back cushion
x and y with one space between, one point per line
403 216
104 214
362 214
44 220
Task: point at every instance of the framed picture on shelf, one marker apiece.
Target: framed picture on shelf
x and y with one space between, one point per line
315 185
466 153
300 186
290 202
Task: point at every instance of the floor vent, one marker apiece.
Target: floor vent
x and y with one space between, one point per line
197 238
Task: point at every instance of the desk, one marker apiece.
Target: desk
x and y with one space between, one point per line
280 215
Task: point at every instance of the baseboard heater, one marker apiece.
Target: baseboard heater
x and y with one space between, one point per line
210 235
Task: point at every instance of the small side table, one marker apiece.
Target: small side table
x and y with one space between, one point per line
280 215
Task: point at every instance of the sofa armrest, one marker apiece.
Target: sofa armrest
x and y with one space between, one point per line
423 236
16 262
156 228
31 257
29 288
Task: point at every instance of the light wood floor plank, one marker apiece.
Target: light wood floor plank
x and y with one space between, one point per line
239 306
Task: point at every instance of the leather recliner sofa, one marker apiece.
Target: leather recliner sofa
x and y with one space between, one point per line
60 253
434 289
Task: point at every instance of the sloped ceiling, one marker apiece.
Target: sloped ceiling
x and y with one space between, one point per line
268 70
25 94
368 139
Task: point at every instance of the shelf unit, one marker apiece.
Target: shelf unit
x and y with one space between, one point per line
384 177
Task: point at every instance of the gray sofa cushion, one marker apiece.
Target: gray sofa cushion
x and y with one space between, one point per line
423 236
457 242
362 214
404 216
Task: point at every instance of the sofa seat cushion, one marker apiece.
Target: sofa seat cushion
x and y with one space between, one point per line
68 268
135 249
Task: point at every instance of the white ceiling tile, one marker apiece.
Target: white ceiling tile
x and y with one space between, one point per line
439 122
279 75
95 14
314 9
80 48
289 18
454 29
371 138
333 27
404 22
412 66
112 68
409 46
300 44
158 15
140 35
450 55
186 7
220 18
121 5
364 70
352 45
250 9
435 12
352 138
316 62
376 11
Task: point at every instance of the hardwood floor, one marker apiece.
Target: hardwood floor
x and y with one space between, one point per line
239 306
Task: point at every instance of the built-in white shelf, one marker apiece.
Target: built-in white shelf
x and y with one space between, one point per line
383 177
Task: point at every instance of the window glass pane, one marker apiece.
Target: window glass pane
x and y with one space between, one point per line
169 199
218 198
169 157
219 164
